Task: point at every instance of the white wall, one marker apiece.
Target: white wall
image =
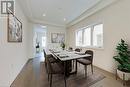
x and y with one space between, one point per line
116 20
30 41
54 29
49 29
12 55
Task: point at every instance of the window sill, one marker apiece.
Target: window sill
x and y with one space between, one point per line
91 47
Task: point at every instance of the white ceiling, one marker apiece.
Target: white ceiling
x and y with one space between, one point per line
56 10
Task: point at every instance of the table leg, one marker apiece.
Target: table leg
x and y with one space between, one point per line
68 68
75 70
76 67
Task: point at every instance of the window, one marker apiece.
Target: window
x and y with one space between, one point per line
98 35
43 41
79 37
87 37
91 36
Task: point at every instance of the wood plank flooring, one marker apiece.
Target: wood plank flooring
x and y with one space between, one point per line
34 75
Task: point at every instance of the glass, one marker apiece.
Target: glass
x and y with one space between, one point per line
98 35
87 36
43 41
79 38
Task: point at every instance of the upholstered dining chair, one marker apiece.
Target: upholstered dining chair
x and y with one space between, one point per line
87 61
50 57
77 49
55 68
70 49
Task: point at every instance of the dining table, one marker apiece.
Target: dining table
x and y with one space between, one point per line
66 57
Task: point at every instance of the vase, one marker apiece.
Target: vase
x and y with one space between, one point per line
123 75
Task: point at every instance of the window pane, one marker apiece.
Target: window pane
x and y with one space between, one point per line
43 41
87 37
79 38
98 35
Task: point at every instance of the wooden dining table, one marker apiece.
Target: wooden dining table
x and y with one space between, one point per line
66 57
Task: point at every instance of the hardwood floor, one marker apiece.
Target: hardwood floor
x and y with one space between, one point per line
109 81
76 80
34 75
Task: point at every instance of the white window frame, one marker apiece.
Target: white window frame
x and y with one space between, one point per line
76 36
92 29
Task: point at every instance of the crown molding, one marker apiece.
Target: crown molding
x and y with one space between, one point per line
99 6
30 16
36 21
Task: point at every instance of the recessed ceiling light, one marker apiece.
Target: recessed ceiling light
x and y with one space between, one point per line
44 15
43 26
64 19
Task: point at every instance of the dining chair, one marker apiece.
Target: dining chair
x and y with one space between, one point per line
77 49
50 57
87 61
70 49
55 68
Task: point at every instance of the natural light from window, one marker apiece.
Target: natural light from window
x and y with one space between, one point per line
43 41
98 35
91 36
79 38
87 36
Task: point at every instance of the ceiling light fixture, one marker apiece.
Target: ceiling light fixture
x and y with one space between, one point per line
44 15
64 19
43 26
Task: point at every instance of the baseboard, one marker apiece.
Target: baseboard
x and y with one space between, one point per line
110 73
21 70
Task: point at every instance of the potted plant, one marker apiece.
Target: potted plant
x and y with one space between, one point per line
37 47
123 59
63 45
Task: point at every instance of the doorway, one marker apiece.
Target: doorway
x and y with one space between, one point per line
39 40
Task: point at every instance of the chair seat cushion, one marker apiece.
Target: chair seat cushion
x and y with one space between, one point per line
52 59
57 68
84 61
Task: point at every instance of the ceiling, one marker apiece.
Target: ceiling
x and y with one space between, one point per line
58 12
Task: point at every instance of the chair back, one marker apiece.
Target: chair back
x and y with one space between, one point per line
70 48
77 49
91 53
44 55
49 66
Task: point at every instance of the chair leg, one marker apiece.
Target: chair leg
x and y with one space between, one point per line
65 80
48 77
65 73
73 63
85 70
51 81
92 68
76 66
46 66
